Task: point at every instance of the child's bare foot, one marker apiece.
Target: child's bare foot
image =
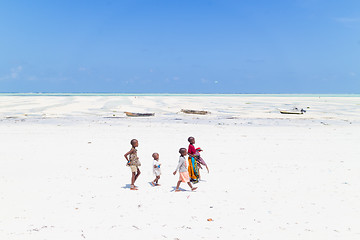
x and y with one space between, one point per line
133 187
177 190
194 188
156 184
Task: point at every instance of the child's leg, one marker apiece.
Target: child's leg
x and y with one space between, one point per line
157 179
192 188
207 168
137 174
133 174
177 185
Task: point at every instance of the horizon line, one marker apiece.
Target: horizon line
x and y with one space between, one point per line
131 94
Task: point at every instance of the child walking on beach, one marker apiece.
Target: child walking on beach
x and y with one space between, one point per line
133 162
183 171
193 166
156 169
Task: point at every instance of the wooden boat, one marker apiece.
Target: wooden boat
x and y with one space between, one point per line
289 112
188 111
293 111
131 114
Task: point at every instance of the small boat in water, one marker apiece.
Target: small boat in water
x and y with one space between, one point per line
293 111
131 114
188 111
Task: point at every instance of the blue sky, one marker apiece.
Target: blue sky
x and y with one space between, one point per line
180 46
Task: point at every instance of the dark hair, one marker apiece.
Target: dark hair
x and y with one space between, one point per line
132 142
181 150
189 138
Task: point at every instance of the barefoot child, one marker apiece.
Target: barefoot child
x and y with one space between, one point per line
183 171
156 169
133 162
193 166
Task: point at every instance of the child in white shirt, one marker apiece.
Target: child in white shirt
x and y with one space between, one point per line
156 169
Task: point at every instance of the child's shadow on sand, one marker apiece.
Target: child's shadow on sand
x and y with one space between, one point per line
127 186
181 189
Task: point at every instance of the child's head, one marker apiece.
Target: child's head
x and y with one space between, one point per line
134 143
191 140
183 151
155 156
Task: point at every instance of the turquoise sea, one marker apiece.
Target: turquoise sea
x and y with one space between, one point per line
178 95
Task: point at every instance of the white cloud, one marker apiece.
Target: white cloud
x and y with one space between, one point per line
204 80
347 20
32 78
14 73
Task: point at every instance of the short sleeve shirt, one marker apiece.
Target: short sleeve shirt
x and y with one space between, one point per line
157 163
191 149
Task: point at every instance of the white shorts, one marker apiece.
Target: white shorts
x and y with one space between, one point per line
157 171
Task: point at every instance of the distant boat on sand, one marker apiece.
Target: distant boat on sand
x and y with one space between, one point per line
131 114
293 111
188 111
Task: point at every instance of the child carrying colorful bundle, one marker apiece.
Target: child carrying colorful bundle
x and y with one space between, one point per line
193 165
199 159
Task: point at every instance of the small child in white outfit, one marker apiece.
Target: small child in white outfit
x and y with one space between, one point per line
156 169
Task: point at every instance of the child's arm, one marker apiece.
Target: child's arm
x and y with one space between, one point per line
129 152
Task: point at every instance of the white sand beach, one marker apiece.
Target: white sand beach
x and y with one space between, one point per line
272 176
